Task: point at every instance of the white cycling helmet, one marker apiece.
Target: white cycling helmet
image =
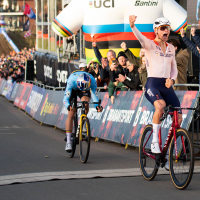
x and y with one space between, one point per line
161 22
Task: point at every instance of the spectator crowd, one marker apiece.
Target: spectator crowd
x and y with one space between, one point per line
13 66
121 72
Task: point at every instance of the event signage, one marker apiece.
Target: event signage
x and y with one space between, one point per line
45 106
25 96
124 122
14 91
114 28
34 100
119 122
50 71
52 110
10 89
3 84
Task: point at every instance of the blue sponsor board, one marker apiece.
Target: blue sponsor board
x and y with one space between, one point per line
14 92
124 121
3 84
9 89
35 99
146 110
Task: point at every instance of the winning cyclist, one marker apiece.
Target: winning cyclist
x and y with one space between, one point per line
162 72
80 84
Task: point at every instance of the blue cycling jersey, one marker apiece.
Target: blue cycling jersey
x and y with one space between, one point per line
72 85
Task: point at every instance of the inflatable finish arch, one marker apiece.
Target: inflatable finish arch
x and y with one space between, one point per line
107 21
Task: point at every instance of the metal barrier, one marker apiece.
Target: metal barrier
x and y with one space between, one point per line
35 83
59 88
195 135
49 87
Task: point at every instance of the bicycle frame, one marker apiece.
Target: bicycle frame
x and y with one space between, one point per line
171 133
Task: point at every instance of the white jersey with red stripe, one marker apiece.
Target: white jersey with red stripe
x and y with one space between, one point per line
159 64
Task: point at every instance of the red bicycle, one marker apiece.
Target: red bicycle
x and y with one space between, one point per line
181 152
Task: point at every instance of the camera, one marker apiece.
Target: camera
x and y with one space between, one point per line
94 65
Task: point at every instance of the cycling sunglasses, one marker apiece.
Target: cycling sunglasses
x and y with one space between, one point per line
162 28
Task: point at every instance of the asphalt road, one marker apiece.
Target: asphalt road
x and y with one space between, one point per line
24 146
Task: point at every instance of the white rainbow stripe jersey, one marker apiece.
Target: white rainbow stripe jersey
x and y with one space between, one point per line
107 21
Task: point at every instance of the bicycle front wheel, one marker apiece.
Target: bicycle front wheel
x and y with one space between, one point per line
147 163
181 169
84 141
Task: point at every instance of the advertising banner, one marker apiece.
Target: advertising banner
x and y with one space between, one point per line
35 99
50 71
25 95
1 79
115 119
44 106
124 122
14 91
20 91
9 81
8 88
145 113
3 84
52 110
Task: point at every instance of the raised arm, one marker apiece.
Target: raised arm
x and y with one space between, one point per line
142 39
97 52
133 59
195 38
190 45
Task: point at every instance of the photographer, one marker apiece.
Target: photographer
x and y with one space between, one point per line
93 68
115 70
132 79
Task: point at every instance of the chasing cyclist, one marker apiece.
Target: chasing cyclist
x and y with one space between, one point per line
83 85
162 72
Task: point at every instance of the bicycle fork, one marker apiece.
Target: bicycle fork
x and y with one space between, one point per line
80 126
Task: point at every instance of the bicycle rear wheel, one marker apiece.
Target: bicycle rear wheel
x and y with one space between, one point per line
181 170
147 164
73 138
84 141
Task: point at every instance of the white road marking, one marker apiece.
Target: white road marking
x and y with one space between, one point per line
12 127
66 175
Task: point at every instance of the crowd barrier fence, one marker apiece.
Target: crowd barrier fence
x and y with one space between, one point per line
121 122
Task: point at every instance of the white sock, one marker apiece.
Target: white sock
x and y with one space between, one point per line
68 137
156 128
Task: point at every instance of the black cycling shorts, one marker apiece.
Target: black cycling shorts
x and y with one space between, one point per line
80 94
155 89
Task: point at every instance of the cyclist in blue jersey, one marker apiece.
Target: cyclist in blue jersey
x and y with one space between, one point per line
80 84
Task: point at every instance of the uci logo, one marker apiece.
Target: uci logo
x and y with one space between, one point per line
100 3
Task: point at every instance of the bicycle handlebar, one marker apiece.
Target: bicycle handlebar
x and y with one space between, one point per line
84 102
167 110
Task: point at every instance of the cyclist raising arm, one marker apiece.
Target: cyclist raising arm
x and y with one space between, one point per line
162 71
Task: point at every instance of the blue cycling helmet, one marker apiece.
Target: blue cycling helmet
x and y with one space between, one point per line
83 81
